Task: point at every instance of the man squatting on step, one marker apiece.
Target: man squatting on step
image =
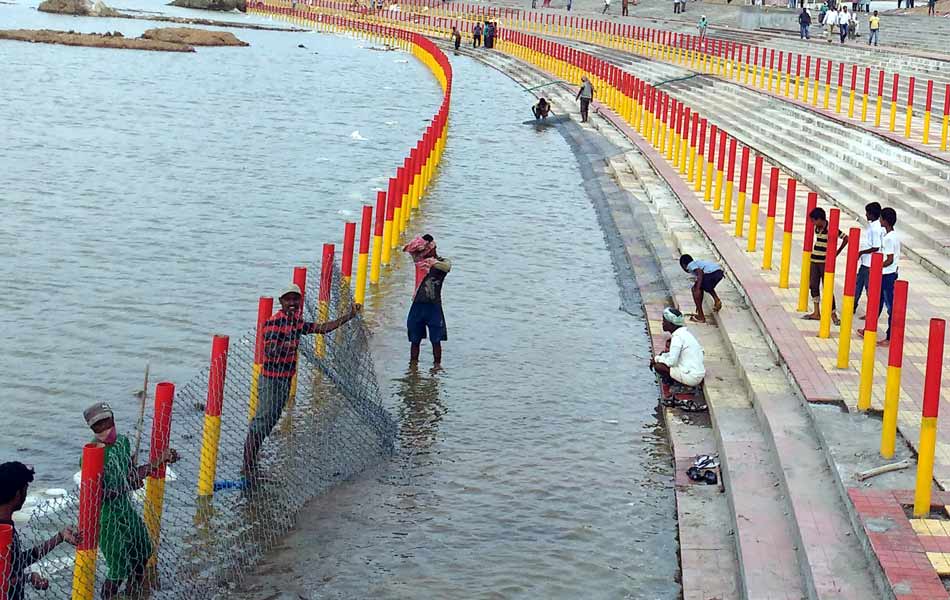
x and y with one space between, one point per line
708 275
281 339
683 361
426 310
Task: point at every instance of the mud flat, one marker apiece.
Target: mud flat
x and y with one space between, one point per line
92 40
193 37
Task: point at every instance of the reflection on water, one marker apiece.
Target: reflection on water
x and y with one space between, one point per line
533 465
420 409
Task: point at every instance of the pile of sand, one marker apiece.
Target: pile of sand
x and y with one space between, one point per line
77 7
193 37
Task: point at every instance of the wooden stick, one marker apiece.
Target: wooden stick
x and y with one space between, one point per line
141 421
907 462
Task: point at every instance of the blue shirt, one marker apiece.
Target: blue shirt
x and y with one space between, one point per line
706 265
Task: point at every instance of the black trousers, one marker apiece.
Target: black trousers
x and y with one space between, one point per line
585 107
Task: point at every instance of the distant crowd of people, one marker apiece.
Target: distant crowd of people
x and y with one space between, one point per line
838 19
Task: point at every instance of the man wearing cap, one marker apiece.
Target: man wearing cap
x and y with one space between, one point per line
585 94
15 479
683 361
123 538
281 338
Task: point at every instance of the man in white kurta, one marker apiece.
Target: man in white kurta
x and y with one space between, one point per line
683 362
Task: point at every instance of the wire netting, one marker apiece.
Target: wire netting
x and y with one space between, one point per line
332 428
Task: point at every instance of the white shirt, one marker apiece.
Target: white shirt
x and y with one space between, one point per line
870 238
685 353
707 266
891 245
843 18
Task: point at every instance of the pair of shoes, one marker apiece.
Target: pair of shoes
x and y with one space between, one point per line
707 476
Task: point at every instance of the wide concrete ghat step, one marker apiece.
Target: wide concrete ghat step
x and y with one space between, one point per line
764 540
836 566
926 241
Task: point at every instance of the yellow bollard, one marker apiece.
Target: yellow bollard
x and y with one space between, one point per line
807 245
770 220
928 421
786 260
847 299
208 462
870 332
828 289
895 358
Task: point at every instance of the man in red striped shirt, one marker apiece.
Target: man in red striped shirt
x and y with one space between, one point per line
281 339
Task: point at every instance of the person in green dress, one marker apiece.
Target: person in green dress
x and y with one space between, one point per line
123 538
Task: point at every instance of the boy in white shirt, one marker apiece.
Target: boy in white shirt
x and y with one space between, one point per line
684 361
870 243
891 249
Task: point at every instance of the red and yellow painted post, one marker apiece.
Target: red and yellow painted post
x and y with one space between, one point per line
909 112
389 223
827 85
788 73
928 421
807 79
785 262
265 308
807 245
346 261
946 118
730 182
378 243
798 76
828 289
710 163
770 220
854 81
208 463
754 209
928 105
696 143
362 259
300 279
323 296
893 116
720 170
740 199
880 98
6 559
840 88
817 81
870 332
895 361
847 298
155 481
90 507
864 96
688 132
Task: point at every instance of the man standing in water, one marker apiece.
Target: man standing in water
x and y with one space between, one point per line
426 310
683 362
585 94
281 338
123 538
15 479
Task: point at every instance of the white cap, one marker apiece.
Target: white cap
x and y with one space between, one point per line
293 288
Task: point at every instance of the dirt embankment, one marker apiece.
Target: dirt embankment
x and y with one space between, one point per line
193 37
93 40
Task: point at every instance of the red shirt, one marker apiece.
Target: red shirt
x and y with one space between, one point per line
281 339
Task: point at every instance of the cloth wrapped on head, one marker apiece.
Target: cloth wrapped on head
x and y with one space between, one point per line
672 317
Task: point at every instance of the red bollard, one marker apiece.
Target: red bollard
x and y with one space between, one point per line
362 260
785 263
754 211
90 508
730 182
710 162
346 261
828 289
300 280
807 245
928 422
770 219
6 559
847 300
208 462
895 361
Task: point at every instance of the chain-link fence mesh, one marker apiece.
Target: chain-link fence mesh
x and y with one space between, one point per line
332 428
